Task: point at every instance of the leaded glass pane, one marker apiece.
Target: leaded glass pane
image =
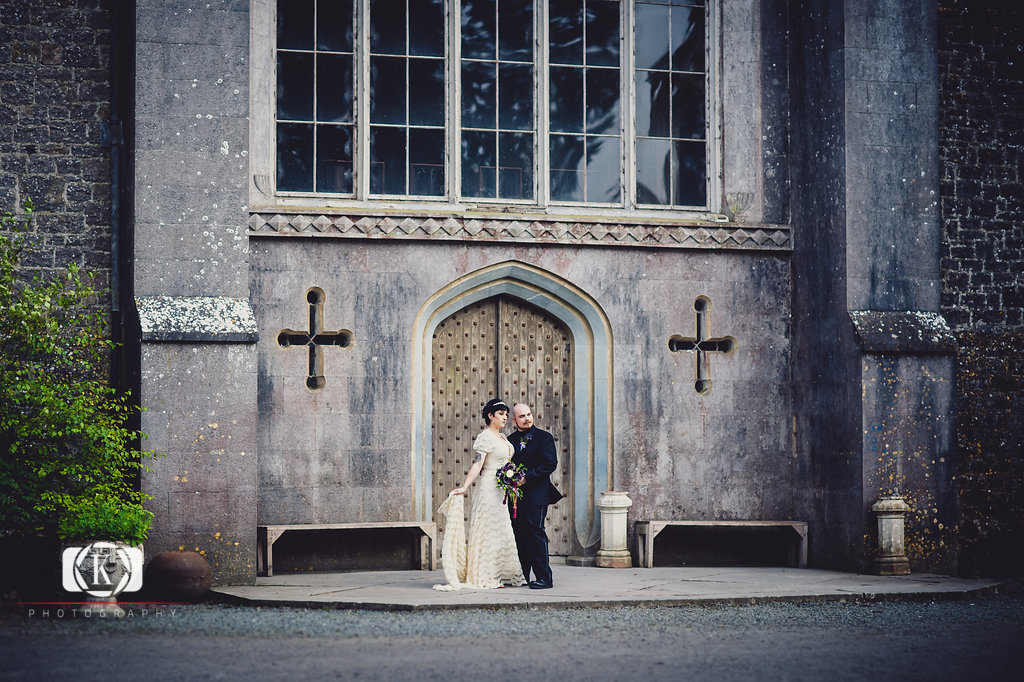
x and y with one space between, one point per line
565 102
334 88
295 86
295 25
426 28
602 101
334 25
687 38
652 36
478 29
567 167
602 33
387 26
515 31
387 90
334 159
479 164
479 92
603 162
515 167
387 160
295 157
691 190
426 92
652 103
688 105
516 96
426 161
565 31
653 171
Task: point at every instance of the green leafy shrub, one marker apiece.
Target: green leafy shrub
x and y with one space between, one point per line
68 455
103 518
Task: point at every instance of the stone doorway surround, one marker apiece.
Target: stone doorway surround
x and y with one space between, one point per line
592 339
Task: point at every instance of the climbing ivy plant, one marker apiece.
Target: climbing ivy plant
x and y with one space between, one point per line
69 461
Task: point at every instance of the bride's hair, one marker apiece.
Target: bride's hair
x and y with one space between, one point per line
493 405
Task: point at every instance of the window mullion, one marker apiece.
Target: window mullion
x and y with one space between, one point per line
454 105
316 129
712 96
407 160
542 114
362 88
628 83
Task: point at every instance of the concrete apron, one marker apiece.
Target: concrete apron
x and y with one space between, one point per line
577 587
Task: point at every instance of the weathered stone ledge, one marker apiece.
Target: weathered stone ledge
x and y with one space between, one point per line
217 319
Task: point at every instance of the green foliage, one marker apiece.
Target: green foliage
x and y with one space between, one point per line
102 518
64 437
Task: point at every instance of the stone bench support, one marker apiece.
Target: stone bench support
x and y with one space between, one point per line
266 536
646 531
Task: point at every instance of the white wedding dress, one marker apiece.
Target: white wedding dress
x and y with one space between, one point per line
491 559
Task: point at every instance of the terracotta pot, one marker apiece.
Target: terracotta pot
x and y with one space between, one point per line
183 576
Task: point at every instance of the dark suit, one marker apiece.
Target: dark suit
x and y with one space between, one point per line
535 450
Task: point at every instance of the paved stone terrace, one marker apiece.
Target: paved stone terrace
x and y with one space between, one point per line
596 587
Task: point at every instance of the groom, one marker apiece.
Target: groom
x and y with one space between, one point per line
535 450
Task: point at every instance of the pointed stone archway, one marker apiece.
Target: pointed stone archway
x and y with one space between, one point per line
592 372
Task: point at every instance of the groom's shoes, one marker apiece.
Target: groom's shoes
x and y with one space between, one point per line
540 585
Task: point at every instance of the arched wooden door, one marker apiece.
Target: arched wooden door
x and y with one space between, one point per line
505 347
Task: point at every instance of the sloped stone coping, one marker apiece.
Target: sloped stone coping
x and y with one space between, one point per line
910 331
218 319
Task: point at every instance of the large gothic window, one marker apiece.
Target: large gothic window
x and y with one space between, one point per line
561 103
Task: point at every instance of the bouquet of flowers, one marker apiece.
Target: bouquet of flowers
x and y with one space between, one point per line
510 479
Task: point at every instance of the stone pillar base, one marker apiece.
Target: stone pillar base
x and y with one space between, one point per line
614 558
102 607
892 565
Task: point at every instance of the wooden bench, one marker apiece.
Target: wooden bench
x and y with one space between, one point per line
646 531
266 536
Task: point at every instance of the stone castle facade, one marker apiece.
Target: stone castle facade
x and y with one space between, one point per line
856 261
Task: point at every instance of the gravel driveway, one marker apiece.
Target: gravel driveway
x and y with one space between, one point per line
981 639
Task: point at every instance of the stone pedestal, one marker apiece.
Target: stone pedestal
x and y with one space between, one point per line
101 607
892 557
613 552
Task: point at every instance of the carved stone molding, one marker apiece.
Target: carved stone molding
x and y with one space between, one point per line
763 237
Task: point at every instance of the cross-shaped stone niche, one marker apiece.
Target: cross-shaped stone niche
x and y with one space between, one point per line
702 344
315 339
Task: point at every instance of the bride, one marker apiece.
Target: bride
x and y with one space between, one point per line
492 559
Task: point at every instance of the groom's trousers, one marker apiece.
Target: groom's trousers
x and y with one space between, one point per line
532 541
